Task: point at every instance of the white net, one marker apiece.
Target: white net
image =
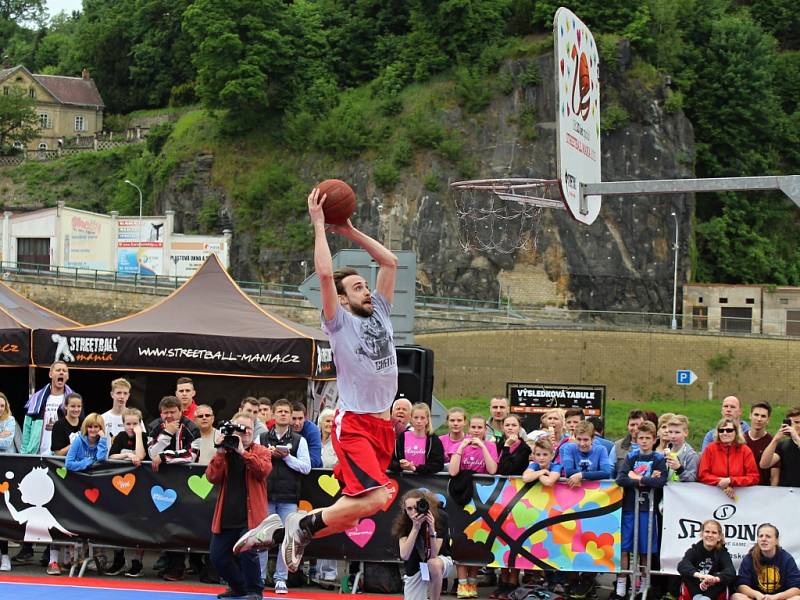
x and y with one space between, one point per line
502 215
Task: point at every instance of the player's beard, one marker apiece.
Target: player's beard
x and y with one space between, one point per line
361 310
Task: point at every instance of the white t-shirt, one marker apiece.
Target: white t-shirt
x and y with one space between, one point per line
365 359
50 418
113 424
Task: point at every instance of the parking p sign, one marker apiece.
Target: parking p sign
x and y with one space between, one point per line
685 377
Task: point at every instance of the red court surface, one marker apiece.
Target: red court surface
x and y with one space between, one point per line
89 588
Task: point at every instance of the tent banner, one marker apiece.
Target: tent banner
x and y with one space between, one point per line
14 348
687 505
504 522
289 357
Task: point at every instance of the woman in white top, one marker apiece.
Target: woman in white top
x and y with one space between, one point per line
325 424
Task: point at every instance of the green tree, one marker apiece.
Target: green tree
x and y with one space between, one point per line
161 51
242 56
18 120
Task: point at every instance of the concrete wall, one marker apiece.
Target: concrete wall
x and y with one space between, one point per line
633 365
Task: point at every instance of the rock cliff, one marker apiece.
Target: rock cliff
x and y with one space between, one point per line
624 261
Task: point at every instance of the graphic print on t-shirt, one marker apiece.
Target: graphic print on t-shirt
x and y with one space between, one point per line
376 344
643 468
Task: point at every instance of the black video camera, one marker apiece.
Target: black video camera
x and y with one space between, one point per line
230 441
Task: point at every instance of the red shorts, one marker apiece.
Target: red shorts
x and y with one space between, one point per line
364 445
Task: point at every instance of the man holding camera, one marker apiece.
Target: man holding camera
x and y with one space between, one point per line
290 461
240 468
783 452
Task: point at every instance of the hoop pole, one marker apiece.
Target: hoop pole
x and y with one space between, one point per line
788 184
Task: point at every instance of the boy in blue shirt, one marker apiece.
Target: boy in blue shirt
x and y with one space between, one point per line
582 460
646 471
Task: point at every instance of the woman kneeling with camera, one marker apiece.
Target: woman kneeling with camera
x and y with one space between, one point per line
424 546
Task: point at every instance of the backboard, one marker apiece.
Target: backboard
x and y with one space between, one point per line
577 75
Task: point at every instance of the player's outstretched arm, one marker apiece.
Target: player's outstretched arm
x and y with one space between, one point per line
323 263
386 259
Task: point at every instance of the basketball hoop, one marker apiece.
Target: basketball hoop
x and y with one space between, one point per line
502 215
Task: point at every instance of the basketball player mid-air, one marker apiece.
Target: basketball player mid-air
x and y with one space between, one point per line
361 337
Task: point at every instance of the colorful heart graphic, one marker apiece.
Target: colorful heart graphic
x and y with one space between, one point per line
200 485
392 487
3 487
362 533
578 33
162 498
92 494
305 505
61 472
124 484
329 484
562 66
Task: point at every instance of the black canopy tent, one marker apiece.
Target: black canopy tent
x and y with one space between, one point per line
208 327
18 317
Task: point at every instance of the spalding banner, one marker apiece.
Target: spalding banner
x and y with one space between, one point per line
504 522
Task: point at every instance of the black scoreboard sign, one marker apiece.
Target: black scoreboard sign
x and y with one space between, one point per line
530 400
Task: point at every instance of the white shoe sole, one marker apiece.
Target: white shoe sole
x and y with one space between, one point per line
289 546
260 536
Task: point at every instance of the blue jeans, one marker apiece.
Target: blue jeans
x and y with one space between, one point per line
282 509
243 575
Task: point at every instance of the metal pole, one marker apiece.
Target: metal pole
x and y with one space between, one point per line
139 245
675 276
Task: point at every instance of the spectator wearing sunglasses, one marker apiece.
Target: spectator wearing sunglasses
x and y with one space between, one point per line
203 446
727 462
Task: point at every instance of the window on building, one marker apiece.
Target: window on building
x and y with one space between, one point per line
699 317
784 301
5 90
19 145
42 146
80 123
723 300
33 251
749 300
793 322
737 319
44 121
32 92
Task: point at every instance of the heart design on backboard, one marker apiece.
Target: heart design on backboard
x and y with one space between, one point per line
92 494
61 472
362 533
124 484
200 485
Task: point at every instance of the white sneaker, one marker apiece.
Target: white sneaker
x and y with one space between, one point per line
280 587
5 563
260 537
295 541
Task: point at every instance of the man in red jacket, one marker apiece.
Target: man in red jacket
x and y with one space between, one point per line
240 469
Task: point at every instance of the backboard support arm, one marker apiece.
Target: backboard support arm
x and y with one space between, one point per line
788 184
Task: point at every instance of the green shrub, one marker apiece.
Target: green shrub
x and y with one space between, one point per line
208 215
402 153
431 182
505 82
471 89
450 149
527 123
613 117
531 76
673 102
345 131
158 136
386 175
423 130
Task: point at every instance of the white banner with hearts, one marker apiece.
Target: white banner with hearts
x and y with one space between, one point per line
687 505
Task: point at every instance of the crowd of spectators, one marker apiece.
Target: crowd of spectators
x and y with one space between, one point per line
567 447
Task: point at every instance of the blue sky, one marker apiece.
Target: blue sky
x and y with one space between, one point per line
56 6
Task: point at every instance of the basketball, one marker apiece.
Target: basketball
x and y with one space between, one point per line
340 203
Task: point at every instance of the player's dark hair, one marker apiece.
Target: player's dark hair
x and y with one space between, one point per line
339 275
